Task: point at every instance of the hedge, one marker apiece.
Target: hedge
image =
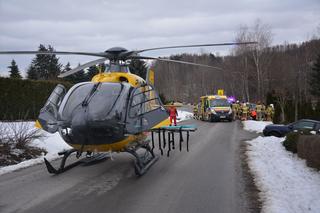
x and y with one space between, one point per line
23 99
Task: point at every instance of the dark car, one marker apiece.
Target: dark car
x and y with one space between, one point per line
279 130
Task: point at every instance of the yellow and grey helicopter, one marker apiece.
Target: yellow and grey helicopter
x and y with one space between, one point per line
113 112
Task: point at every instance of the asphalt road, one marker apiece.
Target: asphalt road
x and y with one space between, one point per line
208 178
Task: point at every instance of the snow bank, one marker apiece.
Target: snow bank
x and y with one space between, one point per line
285 182
184 115
53 143
255 126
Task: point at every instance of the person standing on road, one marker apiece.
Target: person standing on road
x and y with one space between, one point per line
195 111
173 114
259 111
235 108
244 110
268 113
263 112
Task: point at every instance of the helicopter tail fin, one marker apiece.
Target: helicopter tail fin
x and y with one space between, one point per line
150 77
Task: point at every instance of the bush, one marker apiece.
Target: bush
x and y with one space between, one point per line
309 149
20 134
291 141
15 142
23 99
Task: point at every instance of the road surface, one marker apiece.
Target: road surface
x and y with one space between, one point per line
209 178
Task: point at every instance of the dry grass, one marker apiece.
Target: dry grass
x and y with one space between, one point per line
15 142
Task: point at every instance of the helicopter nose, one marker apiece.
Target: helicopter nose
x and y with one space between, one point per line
96 132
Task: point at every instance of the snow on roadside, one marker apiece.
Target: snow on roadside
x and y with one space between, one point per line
53 143
255 126
184 115
285 182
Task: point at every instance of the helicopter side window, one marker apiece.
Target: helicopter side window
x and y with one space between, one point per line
56 96
145 110
144 100
48 116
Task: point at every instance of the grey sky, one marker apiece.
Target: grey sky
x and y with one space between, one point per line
96 25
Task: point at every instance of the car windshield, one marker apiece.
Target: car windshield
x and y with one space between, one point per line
303 125
219 103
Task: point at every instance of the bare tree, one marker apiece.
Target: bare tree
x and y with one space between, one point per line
260 33
243 53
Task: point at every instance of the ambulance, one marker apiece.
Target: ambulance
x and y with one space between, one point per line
215 108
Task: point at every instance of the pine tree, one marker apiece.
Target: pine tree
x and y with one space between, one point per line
32 73
44 67
92 71
315 78
14 70
138 67
66 69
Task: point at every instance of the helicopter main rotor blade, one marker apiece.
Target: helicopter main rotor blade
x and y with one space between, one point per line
198 45
55 53
176 61
81 67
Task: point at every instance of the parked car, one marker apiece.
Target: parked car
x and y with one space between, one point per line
279 130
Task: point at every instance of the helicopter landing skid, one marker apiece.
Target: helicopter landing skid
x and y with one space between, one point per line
89 160
142 161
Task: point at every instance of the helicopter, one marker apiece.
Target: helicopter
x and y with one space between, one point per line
113 112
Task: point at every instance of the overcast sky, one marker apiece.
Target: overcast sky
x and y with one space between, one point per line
96 25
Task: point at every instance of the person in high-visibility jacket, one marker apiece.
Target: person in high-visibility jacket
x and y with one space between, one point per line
195 111
173 115
253 114
239 110
235 109
263 112
259 111
269 112
245 110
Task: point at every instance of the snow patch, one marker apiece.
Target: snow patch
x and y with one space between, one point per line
52 143
184 115
285 182
255 126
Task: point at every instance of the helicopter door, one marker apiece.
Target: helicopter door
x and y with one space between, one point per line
48 116
145 110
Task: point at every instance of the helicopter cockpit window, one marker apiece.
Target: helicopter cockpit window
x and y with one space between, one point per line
75 99
103 102
144 100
